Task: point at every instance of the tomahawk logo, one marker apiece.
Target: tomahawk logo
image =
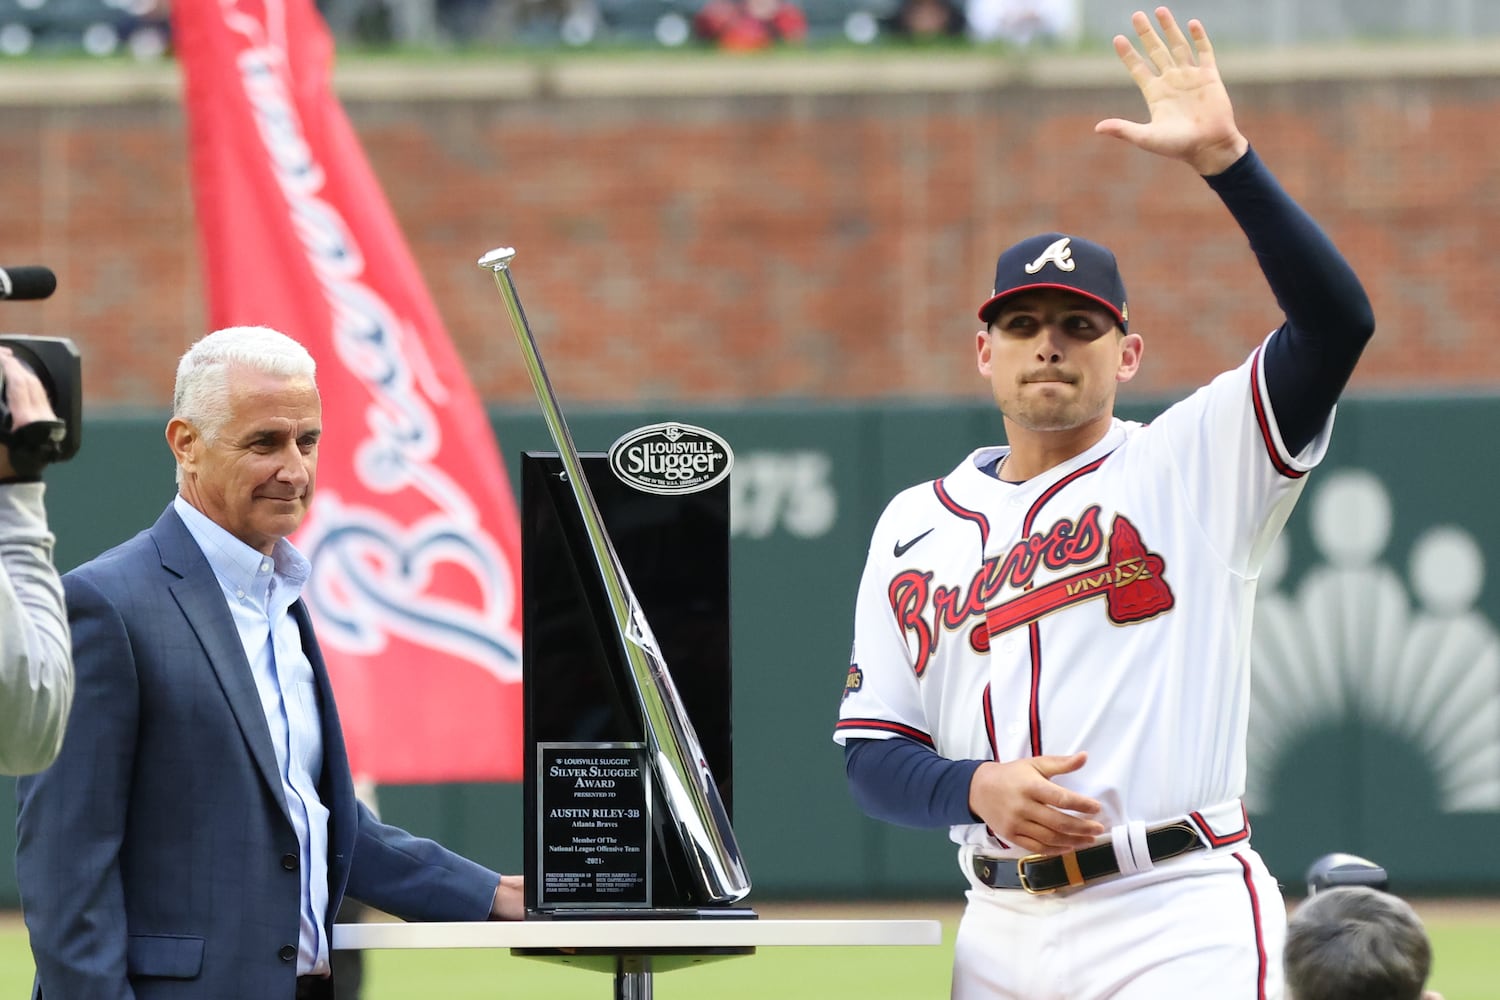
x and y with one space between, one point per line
1059 255
1130 582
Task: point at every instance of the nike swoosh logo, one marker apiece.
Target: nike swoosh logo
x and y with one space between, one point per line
900 549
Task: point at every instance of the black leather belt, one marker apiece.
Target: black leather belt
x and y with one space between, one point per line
1043 873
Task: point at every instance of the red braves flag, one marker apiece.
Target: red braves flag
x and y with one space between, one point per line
413 533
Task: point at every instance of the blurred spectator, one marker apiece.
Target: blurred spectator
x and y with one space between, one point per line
348 20
1022 22
468 21
574 22
96 27
461 22
918 20
743 25
1357 943
413 21
147 29
404 22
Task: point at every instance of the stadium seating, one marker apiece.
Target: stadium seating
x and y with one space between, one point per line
94 27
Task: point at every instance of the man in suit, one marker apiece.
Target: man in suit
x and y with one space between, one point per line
200 828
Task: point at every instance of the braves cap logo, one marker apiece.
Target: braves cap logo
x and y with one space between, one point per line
1059 254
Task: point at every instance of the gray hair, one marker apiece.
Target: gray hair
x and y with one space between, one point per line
1356 943
201 393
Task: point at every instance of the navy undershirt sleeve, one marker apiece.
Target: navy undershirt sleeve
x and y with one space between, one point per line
903 782
1309 359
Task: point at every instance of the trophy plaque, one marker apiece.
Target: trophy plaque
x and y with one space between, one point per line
593 820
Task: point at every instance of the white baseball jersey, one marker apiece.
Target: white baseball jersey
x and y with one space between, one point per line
1102 606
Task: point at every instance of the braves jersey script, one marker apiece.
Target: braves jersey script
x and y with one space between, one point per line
1102 606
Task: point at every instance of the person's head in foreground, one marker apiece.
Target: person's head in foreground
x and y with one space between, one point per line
1357 943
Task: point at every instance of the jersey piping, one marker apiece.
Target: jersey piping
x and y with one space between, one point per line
1263 421
1260 933
954 508
1033 629
887 726
1222 840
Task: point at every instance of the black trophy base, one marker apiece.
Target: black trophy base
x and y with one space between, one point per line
642 913
603 841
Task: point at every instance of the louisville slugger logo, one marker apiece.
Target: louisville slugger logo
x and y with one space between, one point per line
1129 579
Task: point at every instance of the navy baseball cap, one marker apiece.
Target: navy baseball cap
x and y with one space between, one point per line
1057 260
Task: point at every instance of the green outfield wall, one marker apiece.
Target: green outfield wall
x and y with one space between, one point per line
1376 721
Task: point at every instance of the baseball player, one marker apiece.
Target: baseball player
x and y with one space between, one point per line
1051 650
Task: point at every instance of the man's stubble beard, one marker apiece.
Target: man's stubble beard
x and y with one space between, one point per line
1042 415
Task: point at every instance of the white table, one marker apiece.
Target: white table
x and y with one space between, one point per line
635 949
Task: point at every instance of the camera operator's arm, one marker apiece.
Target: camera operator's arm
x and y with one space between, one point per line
36 665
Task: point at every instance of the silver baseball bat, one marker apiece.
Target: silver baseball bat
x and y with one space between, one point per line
677 759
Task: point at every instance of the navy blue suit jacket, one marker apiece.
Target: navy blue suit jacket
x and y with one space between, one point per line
155 858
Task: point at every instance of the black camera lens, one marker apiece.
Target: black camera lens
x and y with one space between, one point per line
1345 869
55 362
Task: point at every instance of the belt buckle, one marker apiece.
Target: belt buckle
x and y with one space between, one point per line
1026 882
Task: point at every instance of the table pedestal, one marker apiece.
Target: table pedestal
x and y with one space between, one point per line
632 970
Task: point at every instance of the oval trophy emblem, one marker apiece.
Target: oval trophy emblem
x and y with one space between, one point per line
671 458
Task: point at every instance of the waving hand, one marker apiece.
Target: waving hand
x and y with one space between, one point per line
1191 117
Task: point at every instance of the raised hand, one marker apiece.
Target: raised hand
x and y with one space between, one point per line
1191 117
1023 806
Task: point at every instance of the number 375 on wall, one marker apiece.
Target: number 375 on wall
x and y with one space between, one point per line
789 491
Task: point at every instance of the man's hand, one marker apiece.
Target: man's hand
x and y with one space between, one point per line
510 898
1191 118
1022 806
26 397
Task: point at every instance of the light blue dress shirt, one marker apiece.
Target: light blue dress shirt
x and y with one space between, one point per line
259 590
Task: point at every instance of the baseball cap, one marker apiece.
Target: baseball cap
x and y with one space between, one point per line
1057 260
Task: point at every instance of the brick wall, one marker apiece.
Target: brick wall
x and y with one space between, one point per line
813 243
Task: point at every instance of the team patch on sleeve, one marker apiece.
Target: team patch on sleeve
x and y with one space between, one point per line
854 680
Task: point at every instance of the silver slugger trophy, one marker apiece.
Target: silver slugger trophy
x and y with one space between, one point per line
594 803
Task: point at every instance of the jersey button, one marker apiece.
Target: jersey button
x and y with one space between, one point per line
289 862
287 952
